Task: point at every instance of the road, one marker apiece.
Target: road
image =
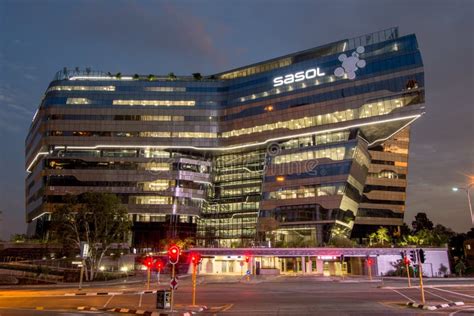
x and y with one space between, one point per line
283 295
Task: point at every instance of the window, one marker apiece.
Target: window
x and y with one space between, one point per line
78 101
165 89
155 102
81 88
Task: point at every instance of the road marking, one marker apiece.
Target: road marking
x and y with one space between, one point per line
108 301
227 307
140 301
392 304
452 292
471 308
403 295
444 299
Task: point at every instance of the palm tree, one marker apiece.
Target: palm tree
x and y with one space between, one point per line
381 236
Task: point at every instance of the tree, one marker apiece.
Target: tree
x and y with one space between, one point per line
98 219
197 76
460 268
381 236
470 234
171 76
183 244
18 238
421 222
267 226
341 241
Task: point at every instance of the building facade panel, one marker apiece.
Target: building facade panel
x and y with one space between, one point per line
295 151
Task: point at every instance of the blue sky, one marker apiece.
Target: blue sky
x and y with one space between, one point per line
38 38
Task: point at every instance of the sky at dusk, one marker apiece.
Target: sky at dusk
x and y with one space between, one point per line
38 38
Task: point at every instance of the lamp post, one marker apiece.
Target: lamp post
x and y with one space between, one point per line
468 192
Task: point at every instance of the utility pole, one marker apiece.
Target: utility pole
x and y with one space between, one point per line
173 256
195 261
420 271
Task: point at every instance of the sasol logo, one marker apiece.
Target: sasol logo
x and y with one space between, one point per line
297 77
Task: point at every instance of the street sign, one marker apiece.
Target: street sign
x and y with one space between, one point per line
174 283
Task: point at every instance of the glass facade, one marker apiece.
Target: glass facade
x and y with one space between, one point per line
292 151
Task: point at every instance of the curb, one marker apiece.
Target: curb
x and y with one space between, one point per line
139 311
109 293
434 307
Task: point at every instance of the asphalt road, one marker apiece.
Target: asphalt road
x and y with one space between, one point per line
285 295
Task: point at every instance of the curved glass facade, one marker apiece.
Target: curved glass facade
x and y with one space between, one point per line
315 142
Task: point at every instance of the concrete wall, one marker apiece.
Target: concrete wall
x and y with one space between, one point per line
436 261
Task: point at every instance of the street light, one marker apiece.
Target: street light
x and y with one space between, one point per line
468 192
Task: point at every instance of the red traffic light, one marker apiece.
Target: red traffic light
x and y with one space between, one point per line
407 261
173 254
159 265
247 259
148 262
195 258
369 262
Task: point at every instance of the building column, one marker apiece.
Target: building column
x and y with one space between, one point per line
284 264
309 265
319 266
303 264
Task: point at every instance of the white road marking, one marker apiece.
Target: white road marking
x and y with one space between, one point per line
471 308
452 292
108 301
404 296
444 299
140 301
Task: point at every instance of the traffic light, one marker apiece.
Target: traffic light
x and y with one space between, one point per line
247 259
341 258
195 258
369 261
413 256
403 254
406 261
421 253
159 265
173 254
148 262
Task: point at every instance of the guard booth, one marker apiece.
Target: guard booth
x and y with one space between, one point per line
163 299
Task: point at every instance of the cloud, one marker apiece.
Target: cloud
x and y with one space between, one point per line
161 27
14 118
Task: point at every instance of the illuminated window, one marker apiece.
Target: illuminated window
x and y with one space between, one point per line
401 164
158 185
335 153
155 134
194 135
156 153
367 110
308 191
155 102
78 101
165 89
81 88
155 117
151 200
